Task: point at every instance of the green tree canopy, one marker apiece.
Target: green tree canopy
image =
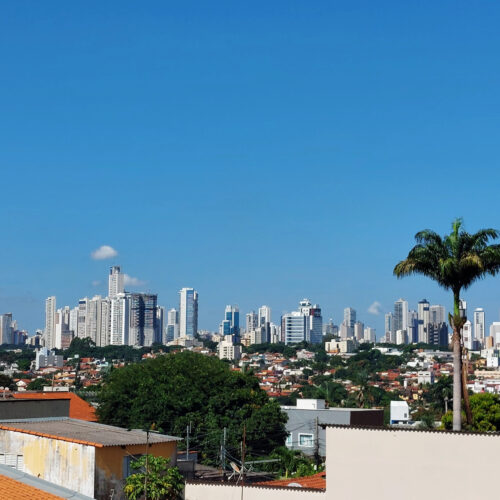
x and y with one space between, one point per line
162 482
177 390
485 408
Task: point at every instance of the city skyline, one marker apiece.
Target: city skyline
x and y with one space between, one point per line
152 138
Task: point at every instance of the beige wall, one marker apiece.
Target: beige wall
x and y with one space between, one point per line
396 464
227 492
67 464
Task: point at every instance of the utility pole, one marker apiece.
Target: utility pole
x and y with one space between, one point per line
316 444
223 453
243 452
187 440
147 471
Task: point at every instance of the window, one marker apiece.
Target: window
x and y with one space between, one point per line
306 440
288 441
127 465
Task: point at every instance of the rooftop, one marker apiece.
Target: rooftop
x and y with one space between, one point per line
78 407
316 481
82 432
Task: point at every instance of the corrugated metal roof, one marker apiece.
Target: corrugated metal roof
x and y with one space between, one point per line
83 432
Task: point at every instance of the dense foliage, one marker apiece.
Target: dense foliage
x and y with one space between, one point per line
178 390
86 348
485 408
155 477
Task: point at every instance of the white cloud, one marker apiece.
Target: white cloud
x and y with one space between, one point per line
131 281
104 252
96 283
375 308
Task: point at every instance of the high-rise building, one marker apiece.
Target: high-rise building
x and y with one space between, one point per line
495 332
97 320
423 321
172 325
82 318
294 327
50 322
437 314
160 333
390 334
369 335
120 320
142 330
264 315
359 330
115 282
412 327
251 321
62 327
350 317
188 312
231 323
401 315
438 334
479 325
6 330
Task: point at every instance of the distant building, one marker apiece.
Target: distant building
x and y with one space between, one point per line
400 315
479 325
251 321
359 330
172 325
228 349
50 322
6 330
423 321
188 312
370 335
115 282
231 323
45 357
349 317
400 413
142 330
306 324
389 333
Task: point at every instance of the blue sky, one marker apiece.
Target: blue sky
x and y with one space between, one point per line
260 153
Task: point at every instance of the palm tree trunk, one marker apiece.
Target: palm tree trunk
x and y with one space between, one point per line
465 391
457 381
457 365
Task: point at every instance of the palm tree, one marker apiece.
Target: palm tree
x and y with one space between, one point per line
455 262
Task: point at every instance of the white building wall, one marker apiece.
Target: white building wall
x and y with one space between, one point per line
211 491
67 464
438 468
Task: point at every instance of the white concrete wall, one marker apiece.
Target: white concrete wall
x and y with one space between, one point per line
229 492
396 464
67 464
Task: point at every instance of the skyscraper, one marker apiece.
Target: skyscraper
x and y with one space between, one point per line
142 330
251 321
359 330
437 314
50 322
479 325
172 325
6 330
264 315
120 320
401 315
188 312
294 326
231 323
390 334
423 321
115 282
350 317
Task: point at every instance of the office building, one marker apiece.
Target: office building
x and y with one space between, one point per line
251 321
188 312
172 325
231 323
390 334
294 326
6 330
437 314
264 315
115 282
412 327
401 315
369 335
350 317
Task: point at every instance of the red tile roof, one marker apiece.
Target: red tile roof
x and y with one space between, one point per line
317 481
78 408
15 490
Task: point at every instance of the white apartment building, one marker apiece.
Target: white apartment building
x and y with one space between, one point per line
370 335
228 350
50 322
119 320
115 282
188 312
423 311
479 325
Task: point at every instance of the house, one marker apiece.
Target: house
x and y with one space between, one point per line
305 420
90 458
400 413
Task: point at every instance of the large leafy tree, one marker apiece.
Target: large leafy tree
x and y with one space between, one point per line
154 479
454 261
188 389
485 409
